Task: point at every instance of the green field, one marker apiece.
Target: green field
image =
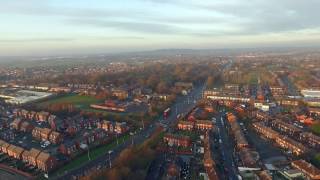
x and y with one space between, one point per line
79 101
94 154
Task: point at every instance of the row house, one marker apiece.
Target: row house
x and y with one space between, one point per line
120 93
286 128
185 125
55 137
15 151
308 169
26 127
46 162
120 127
111 127
4 146
265 131
30 156
203 125
46 134
263 116
68 148
247 158
16 124
310 138
42 116
31 114
174 140
52 120
292 145
231 117
37 133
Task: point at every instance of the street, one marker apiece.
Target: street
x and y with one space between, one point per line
226 148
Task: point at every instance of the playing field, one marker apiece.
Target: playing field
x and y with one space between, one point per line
78 101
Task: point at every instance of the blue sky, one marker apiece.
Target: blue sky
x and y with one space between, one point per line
48 27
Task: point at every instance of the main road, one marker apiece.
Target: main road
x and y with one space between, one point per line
182 105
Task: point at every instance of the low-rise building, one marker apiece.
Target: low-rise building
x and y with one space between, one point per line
16 124
174 140
120 127
310 138
265 131
291 145
203 125
46 162
55 137
308 169
185 125
26 127
286 128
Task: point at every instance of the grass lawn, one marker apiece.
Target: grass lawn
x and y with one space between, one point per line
94 154
77 100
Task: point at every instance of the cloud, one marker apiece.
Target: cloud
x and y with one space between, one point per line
131 26
28 40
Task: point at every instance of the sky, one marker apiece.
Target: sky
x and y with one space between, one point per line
53 27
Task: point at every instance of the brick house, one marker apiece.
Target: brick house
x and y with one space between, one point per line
42 116
4 147
46 162
185 125
308 169
17 152
32 156
68 148
55 137
203 125
41 133
175 140
26 127
120 127
292 145
286 128
265 131
310 138
16 124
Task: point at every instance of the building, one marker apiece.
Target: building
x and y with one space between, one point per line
286 128
42 116
265 131
120 93
311 93
184 85
208 94
185 125
32 156
25 96
55 137
203 125
4 147
26 127
16 124
120 127
106 125
308 169
291 145
174 140
310 138
46 162
41 133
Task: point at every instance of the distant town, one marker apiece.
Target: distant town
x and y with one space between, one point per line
246 115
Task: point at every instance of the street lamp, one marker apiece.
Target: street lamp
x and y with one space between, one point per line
131 133
109 152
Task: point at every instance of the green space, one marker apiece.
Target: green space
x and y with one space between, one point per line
93 153
316 128
80 101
